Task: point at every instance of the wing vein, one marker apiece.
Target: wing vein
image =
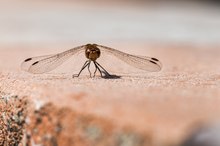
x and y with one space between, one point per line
48 63
140 62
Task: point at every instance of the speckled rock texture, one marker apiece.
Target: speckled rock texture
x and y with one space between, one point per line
136 109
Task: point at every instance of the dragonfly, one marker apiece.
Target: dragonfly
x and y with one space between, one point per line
47 63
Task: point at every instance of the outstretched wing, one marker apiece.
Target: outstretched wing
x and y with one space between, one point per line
42 64
140 62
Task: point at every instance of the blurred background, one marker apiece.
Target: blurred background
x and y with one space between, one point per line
100 21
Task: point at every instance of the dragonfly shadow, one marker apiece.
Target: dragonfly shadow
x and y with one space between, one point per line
111 77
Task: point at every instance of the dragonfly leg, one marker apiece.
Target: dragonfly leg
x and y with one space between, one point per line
95 71
84 66
89 69
98 66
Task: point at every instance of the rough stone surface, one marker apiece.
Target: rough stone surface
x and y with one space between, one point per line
136 109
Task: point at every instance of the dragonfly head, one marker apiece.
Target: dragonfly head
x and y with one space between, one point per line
92 52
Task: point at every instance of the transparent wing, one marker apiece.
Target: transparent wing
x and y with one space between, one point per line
42 64
140 62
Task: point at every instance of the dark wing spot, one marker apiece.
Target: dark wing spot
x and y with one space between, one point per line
28 59
155 59
153 62
35 62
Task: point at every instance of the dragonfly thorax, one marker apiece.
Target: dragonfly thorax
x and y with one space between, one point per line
92 52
